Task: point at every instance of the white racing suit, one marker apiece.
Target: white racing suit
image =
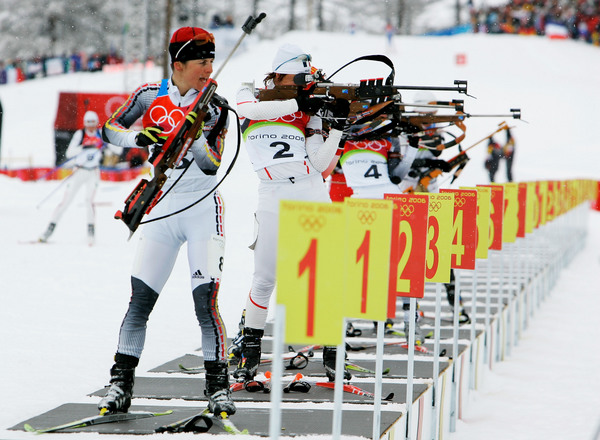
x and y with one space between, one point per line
288 153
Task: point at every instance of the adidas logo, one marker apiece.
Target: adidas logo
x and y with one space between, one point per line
197 274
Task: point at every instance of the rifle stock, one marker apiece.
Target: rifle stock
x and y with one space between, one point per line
147 193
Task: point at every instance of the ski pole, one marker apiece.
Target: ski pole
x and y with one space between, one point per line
55 189
56 168
247 27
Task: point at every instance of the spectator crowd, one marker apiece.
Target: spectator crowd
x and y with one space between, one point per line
575 19
12 71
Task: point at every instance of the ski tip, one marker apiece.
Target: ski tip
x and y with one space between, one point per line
224 415
389 397
27 427
386 371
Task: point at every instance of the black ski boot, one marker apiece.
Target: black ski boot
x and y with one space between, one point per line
235 349
250 355
419 334
329 354
118 396
463 317
91 234
217 388
47 233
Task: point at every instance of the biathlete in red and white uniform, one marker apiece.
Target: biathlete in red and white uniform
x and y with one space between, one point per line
365 167
162 106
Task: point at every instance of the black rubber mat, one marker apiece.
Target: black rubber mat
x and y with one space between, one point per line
423 367
313 421
192 388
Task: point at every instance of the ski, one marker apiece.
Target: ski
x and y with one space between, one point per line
253 385
393 332
295 361
38 241
353 389
462 320
97 420
361 369
418 348
361 347
191 424
424 350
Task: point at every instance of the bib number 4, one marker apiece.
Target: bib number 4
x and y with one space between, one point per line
373 172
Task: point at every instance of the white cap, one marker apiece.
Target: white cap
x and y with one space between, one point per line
91 117
291 59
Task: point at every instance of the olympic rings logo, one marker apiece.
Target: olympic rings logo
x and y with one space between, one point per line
311 223
435 206
366 217
288 118
406 210
374 145
160 116
459 201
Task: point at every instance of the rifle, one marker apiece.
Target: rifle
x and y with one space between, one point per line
459 161
148 193
372 99
361 96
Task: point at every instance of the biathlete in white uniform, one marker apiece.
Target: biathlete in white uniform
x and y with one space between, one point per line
162 105
84 154
288 152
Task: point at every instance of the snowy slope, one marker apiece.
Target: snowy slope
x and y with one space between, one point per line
62 303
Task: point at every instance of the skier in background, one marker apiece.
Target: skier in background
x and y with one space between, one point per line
492 162
162 105
508 153
286 147
85 151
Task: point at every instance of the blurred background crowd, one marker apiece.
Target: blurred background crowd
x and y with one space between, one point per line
575 19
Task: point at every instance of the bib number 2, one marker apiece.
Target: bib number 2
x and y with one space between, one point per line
283 152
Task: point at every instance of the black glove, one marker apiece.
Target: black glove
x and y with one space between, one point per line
394 160
338 111
149 136
307 104
413 141
441 164
191 117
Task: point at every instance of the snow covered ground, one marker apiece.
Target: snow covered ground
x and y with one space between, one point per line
62 303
